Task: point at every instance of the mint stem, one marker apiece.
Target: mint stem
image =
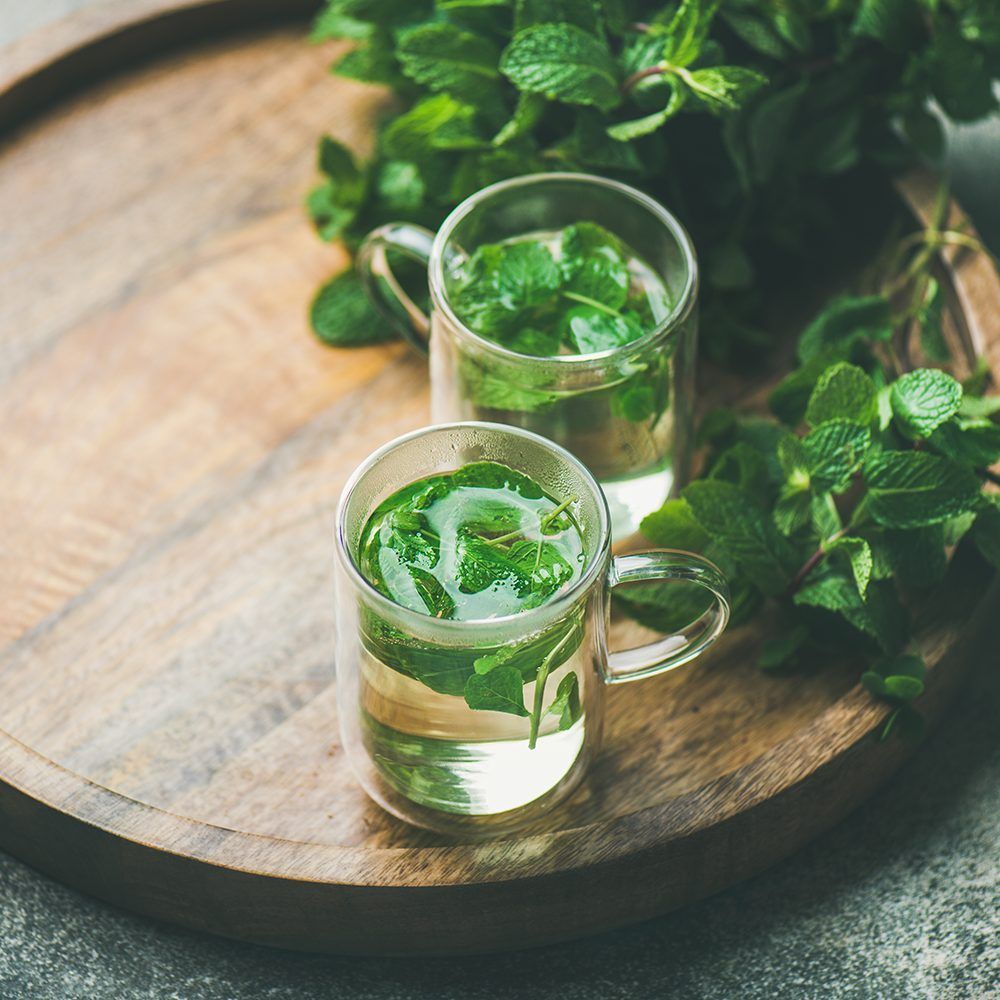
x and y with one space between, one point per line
810 564
542 525
585 300
541 676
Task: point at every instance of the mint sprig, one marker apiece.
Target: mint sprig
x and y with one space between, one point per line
849 512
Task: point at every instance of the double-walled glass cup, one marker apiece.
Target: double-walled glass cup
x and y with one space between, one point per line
403 678
626 413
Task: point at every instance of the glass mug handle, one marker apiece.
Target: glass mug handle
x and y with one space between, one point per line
673 650
386 293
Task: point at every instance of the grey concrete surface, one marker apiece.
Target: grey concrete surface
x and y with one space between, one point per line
900 902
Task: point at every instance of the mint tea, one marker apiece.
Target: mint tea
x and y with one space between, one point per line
579 296
473 728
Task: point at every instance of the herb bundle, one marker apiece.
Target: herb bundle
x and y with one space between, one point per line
738 115
757 122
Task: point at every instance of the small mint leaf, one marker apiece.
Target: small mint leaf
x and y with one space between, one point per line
843 391
859 558
563 62
724 88
924 399
834 451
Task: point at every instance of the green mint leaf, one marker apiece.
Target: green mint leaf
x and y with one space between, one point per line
599 278
873 683
924 399
566 703
793 461
329 217
373 62
634 401
446 58
930 317
986 531
636 128
537 343
581 13
347 180
724 88
881 616
979 407
527 275
833 452
843 391
499 690
563 62
736 523
687 31
913 489
484 664
955 528
858 554
400 186
781 651
527 113
845 321
892 22
342 315
970 442
673 526
791 509
331 22
589 329
436 123
903 688
825 516
756 32
959 76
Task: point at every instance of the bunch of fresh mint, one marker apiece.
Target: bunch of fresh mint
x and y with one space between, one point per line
845 509
738 115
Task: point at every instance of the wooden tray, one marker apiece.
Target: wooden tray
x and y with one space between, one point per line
173 442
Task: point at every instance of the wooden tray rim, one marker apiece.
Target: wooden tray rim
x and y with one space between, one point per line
810 750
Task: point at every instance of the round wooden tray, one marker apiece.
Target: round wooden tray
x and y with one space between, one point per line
173 443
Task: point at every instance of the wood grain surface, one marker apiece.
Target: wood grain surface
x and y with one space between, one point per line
173 445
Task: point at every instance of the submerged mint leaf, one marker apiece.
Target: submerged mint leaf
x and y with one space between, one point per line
498 690
913 489
590 329
924 399
526 275
563 62
566 704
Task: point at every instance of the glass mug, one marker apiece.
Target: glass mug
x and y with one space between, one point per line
626 413
417 747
